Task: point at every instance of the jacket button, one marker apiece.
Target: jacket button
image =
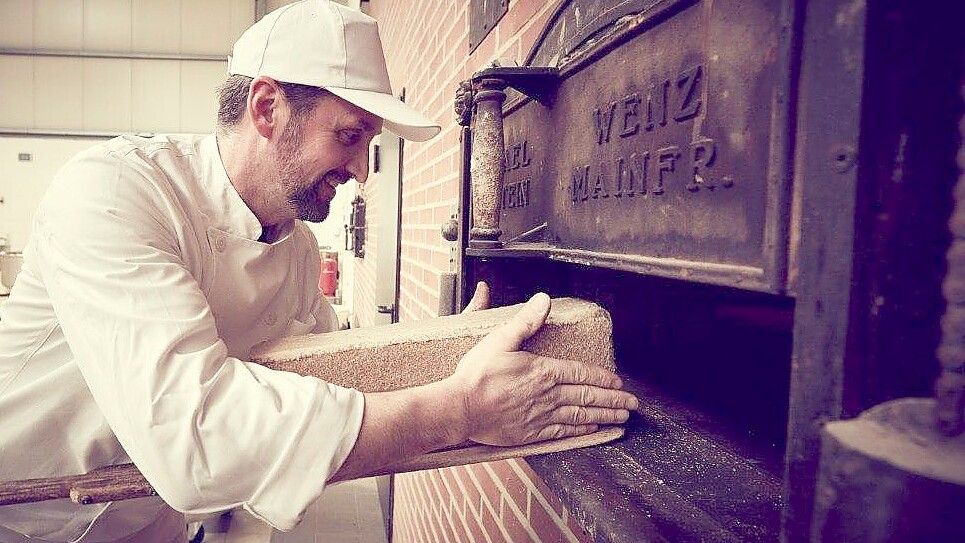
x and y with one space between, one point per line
220 244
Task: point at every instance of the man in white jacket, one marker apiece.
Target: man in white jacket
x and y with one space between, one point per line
156 264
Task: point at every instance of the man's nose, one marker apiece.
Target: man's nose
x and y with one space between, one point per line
359 165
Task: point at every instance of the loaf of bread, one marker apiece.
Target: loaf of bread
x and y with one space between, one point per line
395 356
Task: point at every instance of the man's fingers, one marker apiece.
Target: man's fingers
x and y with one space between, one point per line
521 326
576 415
578 373
480 298
588 395
557 431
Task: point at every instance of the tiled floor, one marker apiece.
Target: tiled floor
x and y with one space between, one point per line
346 513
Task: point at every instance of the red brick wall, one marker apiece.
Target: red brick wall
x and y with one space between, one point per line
494 502
426 44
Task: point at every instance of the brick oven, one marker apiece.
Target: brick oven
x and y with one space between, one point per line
759 192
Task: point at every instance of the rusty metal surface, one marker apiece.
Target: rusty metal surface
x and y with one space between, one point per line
486 167
577 24
661 148
483 16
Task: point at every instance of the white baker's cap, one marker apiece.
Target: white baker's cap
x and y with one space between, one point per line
325 44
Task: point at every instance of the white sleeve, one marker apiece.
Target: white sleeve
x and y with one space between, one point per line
208 431
326 320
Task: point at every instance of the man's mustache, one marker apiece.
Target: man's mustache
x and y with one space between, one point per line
340 176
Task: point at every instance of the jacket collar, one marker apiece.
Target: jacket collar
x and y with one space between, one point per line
231 213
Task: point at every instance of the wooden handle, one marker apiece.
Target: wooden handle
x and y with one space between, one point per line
101 485
124 481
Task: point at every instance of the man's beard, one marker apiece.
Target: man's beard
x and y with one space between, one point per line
305 199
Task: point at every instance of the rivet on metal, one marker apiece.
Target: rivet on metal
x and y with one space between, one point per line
842 158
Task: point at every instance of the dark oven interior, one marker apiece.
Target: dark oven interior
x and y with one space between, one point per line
716 357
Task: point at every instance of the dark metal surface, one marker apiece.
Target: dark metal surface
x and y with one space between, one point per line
858 104
355 229
889 476
483 16
906 164
577 24
664 481
662 148
828 123
536 82
711 364
950 388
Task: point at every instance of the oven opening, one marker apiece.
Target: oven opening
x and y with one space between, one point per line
715 360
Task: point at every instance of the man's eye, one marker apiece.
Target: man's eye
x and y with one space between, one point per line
349 137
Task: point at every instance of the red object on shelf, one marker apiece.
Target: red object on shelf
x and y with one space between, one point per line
328 277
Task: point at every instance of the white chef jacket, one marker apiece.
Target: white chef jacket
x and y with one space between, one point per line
142 291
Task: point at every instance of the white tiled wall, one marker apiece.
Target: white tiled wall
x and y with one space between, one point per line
274 4
23 183
69 93
107 25
16 23
110 94
58 24
17 107
144 26
157 26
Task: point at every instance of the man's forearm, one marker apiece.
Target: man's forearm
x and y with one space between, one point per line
402 424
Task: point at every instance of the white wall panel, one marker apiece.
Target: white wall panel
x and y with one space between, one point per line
16 24
107 25
272 5
156 26
23 184
275 4
242 16
57 93
107 95
59 24
199 103
205 27
77 93
142 26
156 100
16 92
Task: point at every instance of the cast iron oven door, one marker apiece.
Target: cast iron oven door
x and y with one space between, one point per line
665 148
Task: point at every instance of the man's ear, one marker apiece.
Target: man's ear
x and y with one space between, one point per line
266 106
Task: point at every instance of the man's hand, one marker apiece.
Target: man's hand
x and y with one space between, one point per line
480 298
512 397
498 395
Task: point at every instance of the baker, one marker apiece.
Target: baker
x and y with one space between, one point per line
155 264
